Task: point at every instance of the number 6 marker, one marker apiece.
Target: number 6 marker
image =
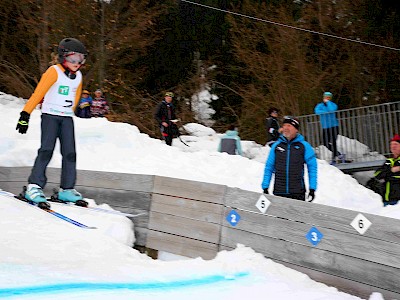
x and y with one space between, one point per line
361 223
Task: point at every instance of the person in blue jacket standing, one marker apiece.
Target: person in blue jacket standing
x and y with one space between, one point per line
83 109
230 142
286 160
330 125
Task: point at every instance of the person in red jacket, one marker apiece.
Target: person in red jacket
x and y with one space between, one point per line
60 89
99 107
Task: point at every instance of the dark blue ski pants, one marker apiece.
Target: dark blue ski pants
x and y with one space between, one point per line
54 127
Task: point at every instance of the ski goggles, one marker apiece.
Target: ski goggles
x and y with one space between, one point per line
75 58
169 94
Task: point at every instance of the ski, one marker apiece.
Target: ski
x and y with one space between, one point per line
65 218
48 210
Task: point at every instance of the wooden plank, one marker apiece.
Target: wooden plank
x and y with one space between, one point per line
12 187
366 272
115 197
203 191
353 245
135 206
180 245
140 236
14 173
192 229
118 181
345 285
382 228
122 181
187 208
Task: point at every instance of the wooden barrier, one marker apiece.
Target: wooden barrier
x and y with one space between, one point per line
192 219
185 217
355 263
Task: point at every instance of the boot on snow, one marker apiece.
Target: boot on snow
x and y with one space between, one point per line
71 195
34 193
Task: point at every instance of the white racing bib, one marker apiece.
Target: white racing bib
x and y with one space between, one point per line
59 99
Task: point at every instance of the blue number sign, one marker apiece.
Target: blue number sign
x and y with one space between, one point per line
233 217
314 236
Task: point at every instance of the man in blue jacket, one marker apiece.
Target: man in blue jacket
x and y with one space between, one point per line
330 125
286 160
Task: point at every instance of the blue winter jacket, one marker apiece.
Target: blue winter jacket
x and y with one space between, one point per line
327 114
286 159
230 143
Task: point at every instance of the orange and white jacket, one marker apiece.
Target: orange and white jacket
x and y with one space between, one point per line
60 93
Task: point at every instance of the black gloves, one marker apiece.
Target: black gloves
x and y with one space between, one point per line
23 122
311 195
266 191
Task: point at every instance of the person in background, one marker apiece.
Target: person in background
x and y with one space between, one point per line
330 125
165 116
272 126
99 107
286 160
230 142
83 109
388 175
60 89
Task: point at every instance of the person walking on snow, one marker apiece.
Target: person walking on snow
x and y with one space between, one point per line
166 118
230 142
330 125
286 160
60 88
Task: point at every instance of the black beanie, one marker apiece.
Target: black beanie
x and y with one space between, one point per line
292 121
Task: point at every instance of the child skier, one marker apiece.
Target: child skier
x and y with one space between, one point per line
60 88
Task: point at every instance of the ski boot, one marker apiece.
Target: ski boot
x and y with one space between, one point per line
69 195
34 194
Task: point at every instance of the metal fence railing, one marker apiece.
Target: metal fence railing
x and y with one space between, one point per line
364 132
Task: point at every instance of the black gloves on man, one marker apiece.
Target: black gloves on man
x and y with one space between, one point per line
23 122
311 195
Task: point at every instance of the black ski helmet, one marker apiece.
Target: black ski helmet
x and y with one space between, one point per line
68 45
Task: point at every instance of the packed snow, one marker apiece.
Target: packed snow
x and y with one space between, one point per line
43 257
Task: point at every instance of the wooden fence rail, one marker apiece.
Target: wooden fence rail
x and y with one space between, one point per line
195 219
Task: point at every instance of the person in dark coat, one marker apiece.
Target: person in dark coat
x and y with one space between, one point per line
286 160
272 126
389 175
166 118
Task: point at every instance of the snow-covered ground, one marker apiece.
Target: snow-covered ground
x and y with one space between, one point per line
42 257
